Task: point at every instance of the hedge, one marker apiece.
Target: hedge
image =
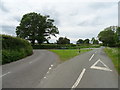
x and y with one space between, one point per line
63 46
14 48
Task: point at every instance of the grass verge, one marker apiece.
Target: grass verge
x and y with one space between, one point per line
114 55
65 54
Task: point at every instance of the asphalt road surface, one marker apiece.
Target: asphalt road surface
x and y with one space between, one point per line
28 72
41 70
89 70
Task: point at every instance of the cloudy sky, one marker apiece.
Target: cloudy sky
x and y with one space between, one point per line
74 18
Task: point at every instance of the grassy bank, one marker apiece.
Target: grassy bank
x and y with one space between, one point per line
113 54
67 54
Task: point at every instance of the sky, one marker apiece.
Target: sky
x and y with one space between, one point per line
75 19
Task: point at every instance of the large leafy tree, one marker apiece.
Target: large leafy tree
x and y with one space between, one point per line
63 40
36 27
108 36
117 37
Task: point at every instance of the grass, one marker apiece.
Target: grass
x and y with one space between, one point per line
66 54
114 55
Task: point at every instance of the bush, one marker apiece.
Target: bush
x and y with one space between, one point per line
14 48
64 46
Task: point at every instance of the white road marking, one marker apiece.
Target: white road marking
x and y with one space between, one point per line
79 78
50 68
91 57
44 77
106 68
51 65
5 74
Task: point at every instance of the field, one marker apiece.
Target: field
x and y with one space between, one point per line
114 54
67 54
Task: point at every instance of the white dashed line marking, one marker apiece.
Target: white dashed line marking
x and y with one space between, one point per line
79 78
44 77
5 74
91 57
51 65
50 68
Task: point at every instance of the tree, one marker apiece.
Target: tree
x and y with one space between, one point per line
36 27
86 41
80 41
63 40
107 36
117 37
94 41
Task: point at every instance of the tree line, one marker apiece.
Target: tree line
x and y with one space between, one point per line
36 27
65 40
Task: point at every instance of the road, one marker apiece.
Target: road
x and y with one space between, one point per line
89 70
28 72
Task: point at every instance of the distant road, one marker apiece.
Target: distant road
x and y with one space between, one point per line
89 70
28 72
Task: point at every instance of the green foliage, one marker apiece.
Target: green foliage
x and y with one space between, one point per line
67 54
65 46
114 54
36 27
117 37
80 41
14 48
86 41
109 36
63 40
94 41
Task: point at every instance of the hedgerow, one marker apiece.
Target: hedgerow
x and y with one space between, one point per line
14 48
63 46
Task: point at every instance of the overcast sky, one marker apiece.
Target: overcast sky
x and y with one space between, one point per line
74 18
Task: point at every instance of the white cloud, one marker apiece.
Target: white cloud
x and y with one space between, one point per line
74 18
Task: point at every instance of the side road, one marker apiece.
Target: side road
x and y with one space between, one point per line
28 72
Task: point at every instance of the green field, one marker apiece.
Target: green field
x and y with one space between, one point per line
115 56
65 54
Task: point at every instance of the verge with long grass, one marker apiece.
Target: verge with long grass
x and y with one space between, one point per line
114 54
